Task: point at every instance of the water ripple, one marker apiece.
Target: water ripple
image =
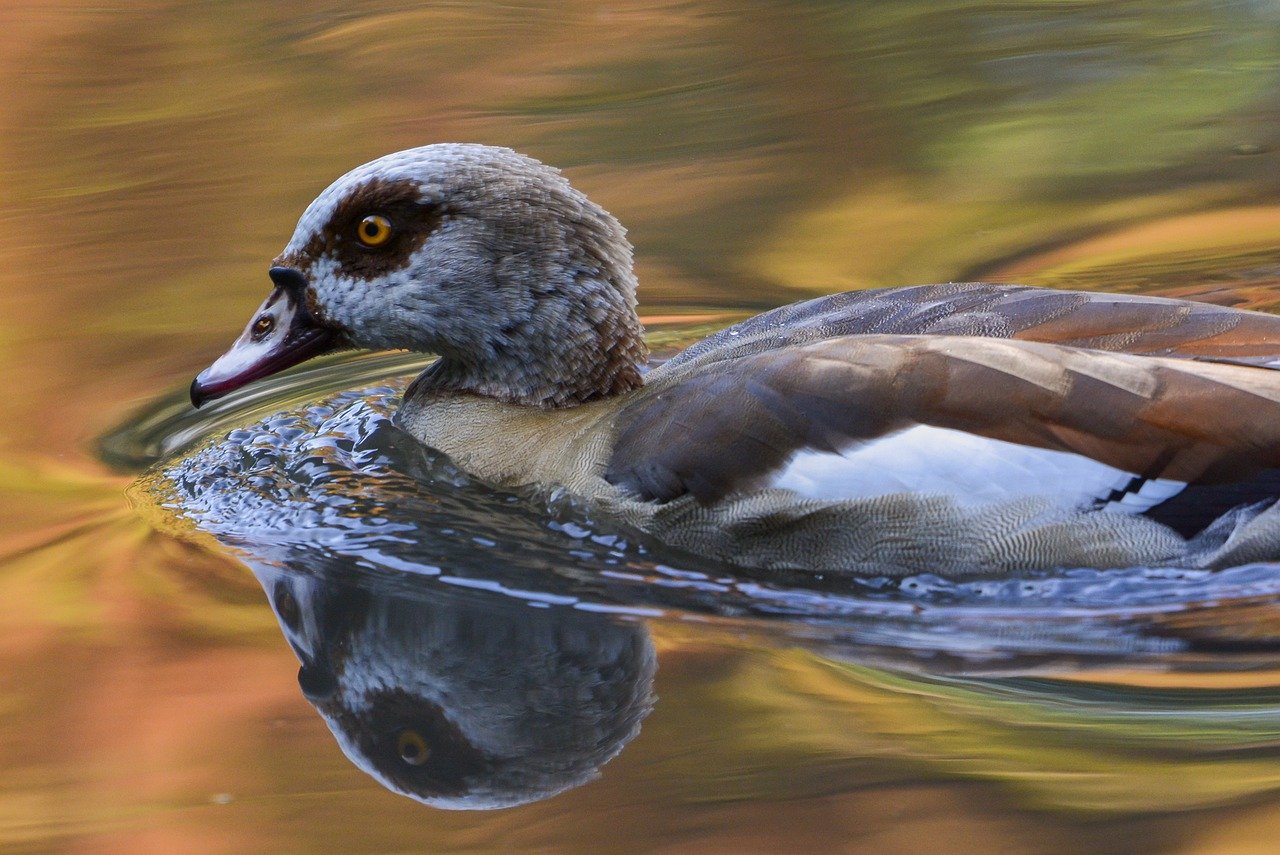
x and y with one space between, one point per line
336 481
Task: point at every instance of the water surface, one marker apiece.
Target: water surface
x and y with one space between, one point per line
154 160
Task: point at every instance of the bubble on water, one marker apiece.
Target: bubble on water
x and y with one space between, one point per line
337 483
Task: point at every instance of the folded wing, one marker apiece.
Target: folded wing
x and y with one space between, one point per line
1127 323
1066 374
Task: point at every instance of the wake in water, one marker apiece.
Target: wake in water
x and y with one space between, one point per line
337 481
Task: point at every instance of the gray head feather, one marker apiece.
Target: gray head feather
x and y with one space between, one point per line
521 284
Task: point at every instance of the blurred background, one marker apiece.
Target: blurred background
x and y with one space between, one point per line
154 157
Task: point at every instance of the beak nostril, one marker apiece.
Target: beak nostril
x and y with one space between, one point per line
262 327
288 279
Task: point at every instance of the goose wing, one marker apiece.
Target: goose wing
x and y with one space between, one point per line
723 422
1127 323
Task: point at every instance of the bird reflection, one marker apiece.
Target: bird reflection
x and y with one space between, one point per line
463 699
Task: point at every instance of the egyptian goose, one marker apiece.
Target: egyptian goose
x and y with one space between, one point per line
462 699
959 428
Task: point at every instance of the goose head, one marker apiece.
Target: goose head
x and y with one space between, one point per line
485 257
461 699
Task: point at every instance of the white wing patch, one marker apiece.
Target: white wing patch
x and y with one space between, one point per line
972 469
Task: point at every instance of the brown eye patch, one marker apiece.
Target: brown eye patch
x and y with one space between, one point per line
414 743
391 204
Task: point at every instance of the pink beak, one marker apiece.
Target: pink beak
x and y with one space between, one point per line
281 334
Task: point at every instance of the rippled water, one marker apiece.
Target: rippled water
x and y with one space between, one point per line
336 481
615 695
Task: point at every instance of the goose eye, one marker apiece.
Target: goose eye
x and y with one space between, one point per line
412 748
374 230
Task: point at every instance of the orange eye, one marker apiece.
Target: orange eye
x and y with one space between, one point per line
412 748
262 326
374 230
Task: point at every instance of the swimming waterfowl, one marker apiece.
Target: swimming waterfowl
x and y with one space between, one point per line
958 428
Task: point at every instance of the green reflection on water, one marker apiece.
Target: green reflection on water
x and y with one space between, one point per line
155 157
1055 745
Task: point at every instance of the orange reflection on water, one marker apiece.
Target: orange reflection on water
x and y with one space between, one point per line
155 157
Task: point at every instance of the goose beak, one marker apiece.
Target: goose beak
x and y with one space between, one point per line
282 333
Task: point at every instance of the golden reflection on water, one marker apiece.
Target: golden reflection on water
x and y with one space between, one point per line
155 157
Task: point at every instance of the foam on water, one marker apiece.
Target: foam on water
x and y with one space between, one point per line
336 483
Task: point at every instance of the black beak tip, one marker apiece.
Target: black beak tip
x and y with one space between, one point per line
199 396
317 682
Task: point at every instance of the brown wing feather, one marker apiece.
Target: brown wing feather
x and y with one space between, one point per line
1162 327
1116 322
721 426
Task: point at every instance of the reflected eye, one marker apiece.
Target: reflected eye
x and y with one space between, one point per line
412 748
374 230
263 327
